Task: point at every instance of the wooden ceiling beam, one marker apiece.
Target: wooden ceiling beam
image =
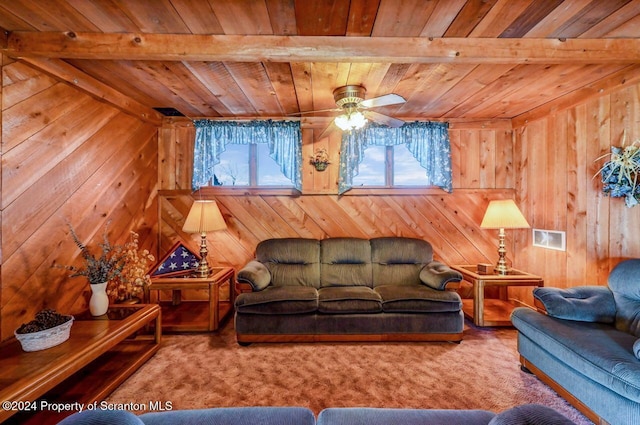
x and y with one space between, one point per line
259 48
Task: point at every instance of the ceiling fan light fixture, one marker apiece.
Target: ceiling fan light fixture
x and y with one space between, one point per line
352 121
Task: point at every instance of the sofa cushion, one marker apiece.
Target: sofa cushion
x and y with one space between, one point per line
345 262
624 282
391 416
266 415
636 349
530 414
279 300
291 261
102 417
582 303
417 299
596 350
348 299
398 261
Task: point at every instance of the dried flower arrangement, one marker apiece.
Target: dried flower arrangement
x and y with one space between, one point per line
130 283
621 172
97 269
320 160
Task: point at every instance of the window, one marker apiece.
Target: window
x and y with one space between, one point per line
248 165
390 166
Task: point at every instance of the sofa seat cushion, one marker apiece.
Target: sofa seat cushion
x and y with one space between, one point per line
349 299
417 299
596 350
279 300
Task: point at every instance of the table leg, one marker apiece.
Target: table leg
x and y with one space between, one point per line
478 303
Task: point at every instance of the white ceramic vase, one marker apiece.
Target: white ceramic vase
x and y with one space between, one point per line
99 301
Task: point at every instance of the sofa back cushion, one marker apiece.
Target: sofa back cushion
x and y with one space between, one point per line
345 262
398 261
624 282
291 261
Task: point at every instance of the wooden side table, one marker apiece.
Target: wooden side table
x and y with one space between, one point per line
492 311
180 315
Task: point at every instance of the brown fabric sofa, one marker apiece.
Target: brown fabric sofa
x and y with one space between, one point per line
347 289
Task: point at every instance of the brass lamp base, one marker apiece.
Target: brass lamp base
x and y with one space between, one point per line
203 269
501 267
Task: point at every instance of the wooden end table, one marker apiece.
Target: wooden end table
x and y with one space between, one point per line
492 311
99 355
180 315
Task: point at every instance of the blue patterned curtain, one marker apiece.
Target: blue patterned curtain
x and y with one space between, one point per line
212 137
427 141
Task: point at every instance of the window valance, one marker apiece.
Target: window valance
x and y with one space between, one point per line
427 141
283 137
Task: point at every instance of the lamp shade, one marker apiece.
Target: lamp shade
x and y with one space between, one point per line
204 216
503 214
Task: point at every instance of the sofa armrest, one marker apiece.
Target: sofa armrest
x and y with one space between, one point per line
437 275
255 274
581 303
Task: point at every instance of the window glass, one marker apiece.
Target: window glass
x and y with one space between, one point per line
406 168
233 169
269 173
371 170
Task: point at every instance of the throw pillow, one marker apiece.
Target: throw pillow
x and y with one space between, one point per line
580 303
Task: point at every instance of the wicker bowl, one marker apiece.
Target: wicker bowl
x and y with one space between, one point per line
36 341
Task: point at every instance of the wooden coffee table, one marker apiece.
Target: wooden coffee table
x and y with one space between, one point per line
99 355
492 311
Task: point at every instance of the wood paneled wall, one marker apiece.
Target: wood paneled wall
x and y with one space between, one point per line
66 157
555 164
482 160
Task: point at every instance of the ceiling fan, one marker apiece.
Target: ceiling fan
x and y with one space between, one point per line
356 110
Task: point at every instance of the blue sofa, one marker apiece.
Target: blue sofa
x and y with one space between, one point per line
586 345
529 414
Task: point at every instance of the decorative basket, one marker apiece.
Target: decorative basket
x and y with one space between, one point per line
36 341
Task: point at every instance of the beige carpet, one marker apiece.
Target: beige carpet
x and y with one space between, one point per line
207 370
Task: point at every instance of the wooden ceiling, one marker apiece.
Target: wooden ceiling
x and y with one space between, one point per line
451 59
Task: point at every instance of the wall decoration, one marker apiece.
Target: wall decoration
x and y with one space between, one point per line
320 160
179 261
621 172
551 239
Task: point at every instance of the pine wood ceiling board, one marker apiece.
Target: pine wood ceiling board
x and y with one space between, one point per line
15 71
406 18
505 84
477 80
534 21
217 79
326 77
330 216
198 16
471 14
48 194
417 76
301 74
282 16
105 15
593 13
153 16
125 76
282 81
362 15
500 17
194 92
289 210
16 89
11 22
627 30
443 15
29 161
327 17
52 15
252 78
435 87
242 16
164 87
395 73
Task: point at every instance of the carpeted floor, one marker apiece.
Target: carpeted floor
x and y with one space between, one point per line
208 370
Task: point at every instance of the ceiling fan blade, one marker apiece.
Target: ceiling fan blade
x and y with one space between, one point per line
383 119
315 111
384 100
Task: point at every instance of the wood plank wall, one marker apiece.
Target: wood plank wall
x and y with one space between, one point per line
65 157
555 164
482 168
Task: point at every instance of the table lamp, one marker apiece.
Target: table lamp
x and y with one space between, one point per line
503 214
204 216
